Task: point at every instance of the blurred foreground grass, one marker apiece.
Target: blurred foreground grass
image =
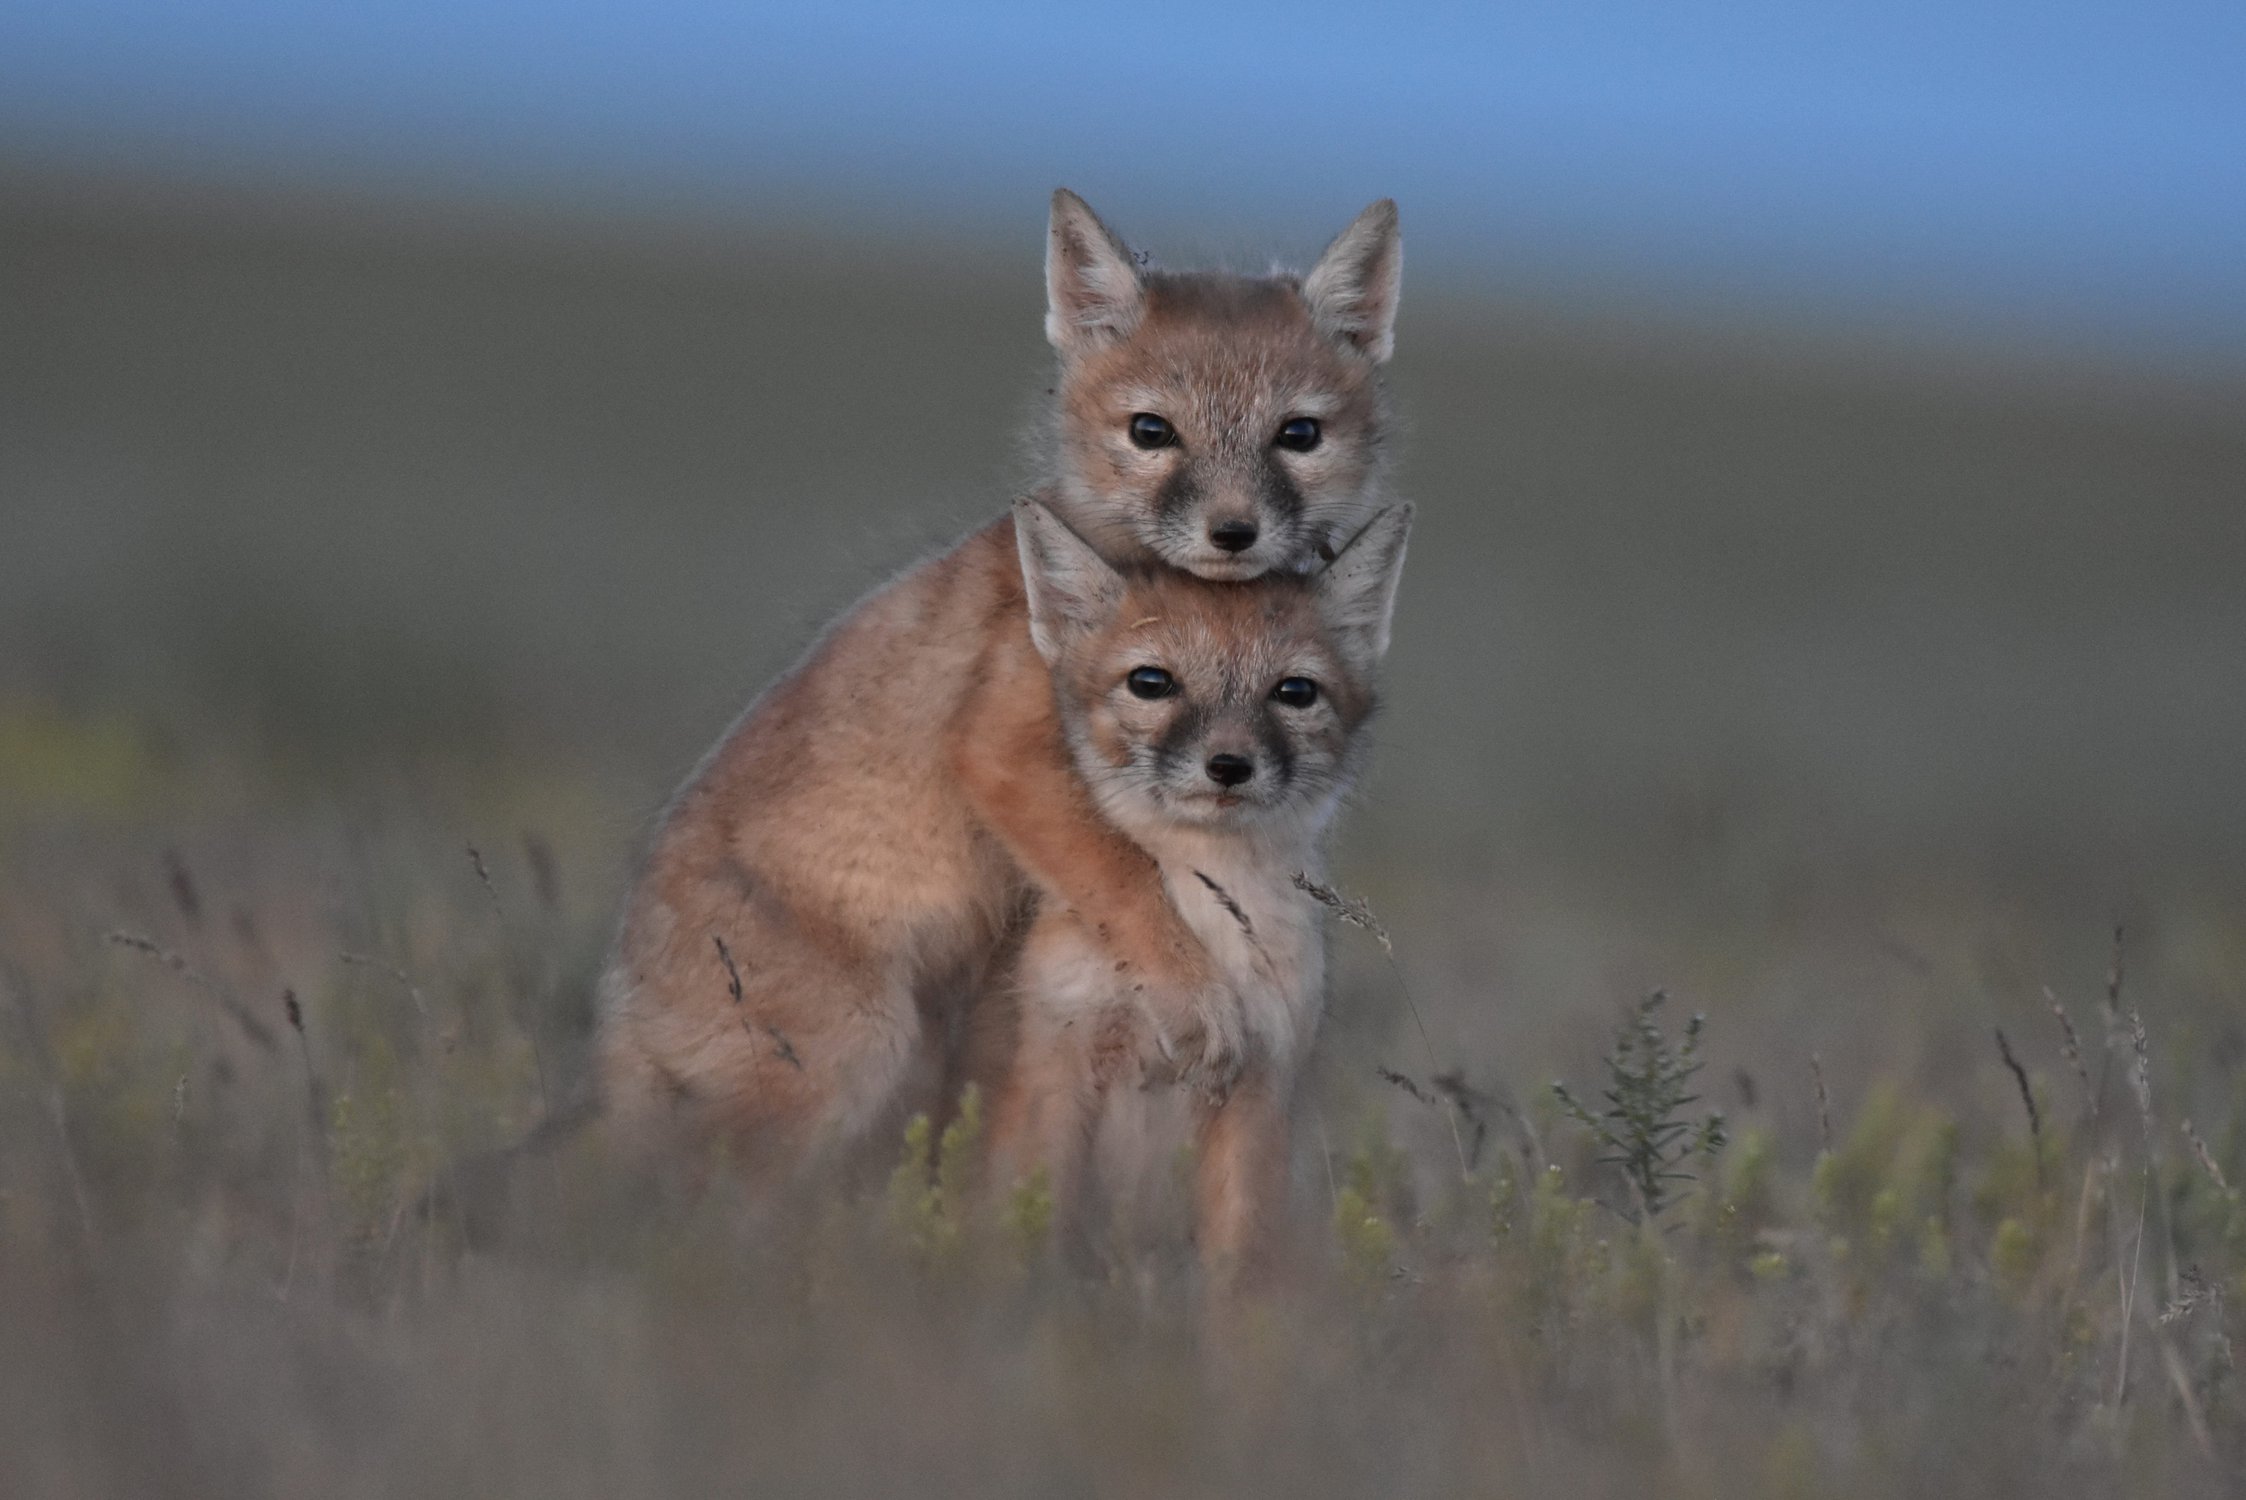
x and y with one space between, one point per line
243 1034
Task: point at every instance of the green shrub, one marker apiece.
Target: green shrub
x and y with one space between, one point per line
1644 1130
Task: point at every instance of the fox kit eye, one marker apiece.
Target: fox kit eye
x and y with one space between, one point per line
1298 434
1296 692
1150 682
1151 431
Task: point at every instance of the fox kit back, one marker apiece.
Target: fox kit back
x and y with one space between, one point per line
838 880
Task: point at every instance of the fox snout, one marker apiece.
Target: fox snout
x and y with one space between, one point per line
1225 524
1232 534
1228 770
1226 542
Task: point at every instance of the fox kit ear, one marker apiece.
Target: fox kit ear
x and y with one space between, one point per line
1357 592
1092 290
1072 590
1354 288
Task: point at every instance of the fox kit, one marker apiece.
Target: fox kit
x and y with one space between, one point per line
1219 726
850 864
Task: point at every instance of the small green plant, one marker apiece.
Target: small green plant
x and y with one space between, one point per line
1370 1197
1029 1215
928 1192
372 1158
1644 1130
1740 1203
1368 1245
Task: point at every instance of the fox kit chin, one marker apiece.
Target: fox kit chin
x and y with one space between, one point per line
838 880
1220 726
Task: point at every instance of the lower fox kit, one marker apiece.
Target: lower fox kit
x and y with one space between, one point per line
1219 725
851 864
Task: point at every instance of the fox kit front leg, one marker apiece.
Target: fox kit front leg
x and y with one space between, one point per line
1014 766
1240 1181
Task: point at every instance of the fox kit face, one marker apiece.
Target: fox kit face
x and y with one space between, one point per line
1216 705
1227 425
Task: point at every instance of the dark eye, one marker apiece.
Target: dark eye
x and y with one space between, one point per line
1296 692
1151 431
1150 682
1298 434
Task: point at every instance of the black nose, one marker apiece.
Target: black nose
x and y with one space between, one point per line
1230 770
1233 536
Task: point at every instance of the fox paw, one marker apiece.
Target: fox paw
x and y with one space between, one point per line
1194 1044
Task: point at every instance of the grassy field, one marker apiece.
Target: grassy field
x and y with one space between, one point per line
1851 694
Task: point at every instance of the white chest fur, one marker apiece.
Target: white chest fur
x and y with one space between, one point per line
1240 898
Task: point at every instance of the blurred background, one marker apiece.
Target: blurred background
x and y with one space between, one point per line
1829 431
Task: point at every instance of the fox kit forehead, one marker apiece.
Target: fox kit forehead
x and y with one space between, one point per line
1205 334
1156 599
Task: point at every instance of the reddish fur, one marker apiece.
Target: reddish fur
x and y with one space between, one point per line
867 839
862 842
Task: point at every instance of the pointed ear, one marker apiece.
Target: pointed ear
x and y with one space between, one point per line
1092 289
1353 290
1072 590
1357 592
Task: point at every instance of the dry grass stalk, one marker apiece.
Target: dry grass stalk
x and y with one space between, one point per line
2115 974
403 979
59 1112
2027 1102
223 996
2127 1274
1409 1085
483 875
1239 915
2205 1157
1469 1102
182 885
2140 1073
2195 1416
780 1043
311 1149
1824 1106
2070 1047
2194 1292
315 1093
530 1031
1352 910
1360 915
545 876
2090 1178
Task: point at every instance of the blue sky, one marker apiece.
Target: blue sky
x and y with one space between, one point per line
2077 168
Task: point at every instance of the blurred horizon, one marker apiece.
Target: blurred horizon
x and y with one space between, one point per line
359 479
2071 177
479 398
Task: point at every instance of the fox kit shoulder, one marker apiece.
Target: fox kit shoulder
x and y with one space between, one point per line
862 841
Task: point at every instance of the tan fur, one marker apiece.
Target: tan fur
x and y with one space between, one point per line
865 840
1228 855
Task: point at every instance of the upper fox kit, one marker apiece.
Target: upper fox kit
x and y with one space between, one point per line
847 865
1219 725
